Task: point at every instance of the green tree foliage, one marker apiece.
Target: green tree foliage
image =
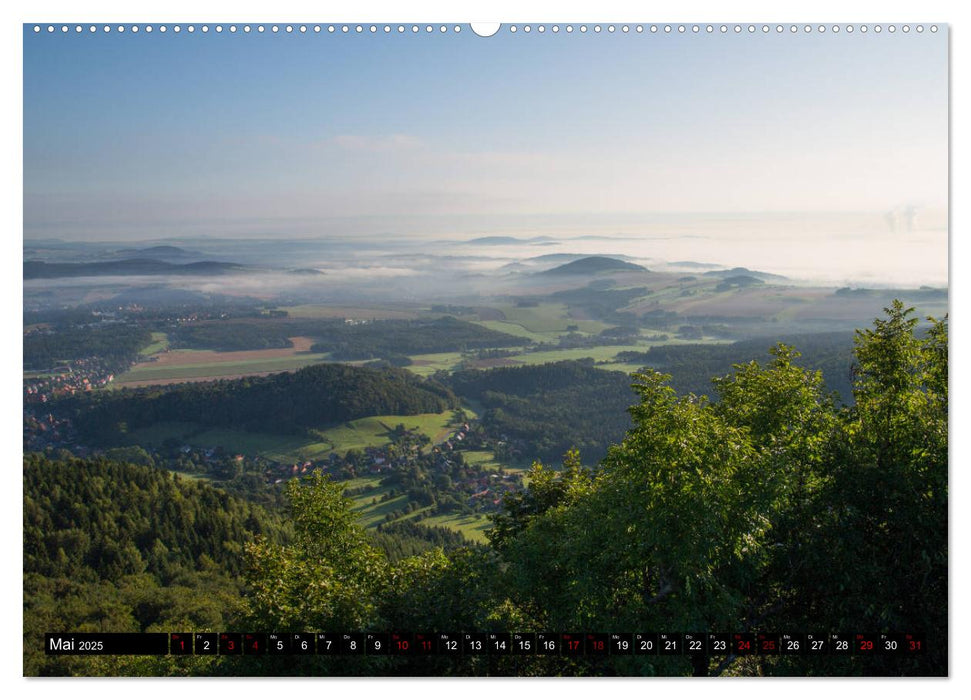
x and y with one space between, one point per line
545 410
772 509
387 339
229 336
877 558
329 578
117 547
345 341
692 366
288 402
117 345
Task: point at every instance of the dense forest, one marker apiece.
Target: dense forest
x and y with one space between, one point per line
115 344
382 339
288 402
774 508
229 336
345 341
692 367
544 410
120 547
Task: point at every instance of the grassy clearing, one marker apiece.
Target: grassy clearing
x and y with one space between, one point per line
374 431
625 367
357 434
484 458
372 515
426 365
538 319
547 318
517 330
473 529
160 342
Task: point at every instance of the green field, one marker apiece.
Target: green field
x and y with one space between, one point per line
473 528
485 459
357 434
373 431
517 330
599 354
625 367
426 365
160 342
548 318
195 369
371 514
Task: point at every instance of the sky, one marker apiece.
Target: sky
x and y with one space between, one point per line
142 136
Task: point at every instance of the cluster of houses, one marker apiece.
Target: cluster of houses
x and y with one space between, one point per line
486 489
78 377
42 430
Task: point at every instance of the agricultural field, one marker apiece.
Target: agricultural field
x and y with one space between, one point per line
174 366
426 365
517 330
374 431
601 353
542 321
473 527
369 507
358 434
371 511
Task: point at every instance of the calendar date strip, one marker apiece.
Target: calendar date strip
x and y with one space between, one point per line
478 643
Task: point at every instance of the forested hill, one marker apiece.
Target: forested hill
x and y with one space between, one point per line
115 345
36 269
122 548
548 409
93 519
593 265
290 402
692 366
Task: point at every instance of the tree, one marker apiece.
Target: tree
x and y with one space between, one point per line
770 509
330 578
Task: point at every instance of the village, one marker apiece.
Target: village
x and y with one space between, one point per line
67 379
429 474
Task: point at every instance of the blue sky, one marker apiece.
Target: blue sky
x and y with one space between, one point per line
127 135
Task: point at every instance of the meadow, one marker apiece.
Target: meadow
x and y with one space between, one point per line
166 366
373 431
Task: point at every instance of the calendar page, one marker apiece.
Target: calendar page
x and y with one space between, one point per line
437 349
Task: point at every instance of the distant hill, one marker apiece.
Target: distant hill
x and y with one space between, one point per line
593 265
157 252
36 269
744 272
738 281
